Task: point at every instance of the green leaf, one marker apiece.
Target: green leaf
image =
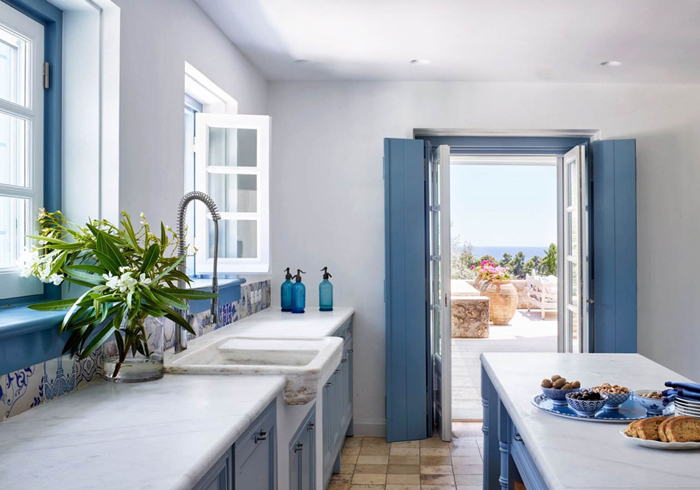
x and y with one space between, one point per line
74 273
95 269
152 299
177 318
189 293
168 299
165 272
150 259
107 262
69 315
101 337
105 244
163 235
61 304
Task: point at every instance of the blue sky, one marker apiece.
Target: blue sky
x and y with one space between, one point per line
504 205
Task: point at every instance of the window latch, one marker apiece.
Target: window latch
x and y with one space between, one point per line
46 74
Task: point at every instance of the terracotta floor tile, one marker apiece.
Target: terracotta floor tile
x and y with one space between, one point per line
437 479
403 469
436 470
404 451
374 469
353 441
338 486
406 444
435 460
433 442
467 460
470 487
346 467
403 479
404 460
471 451
469 479
373 460
374 450
350 451
368 479
435 451
438 487
341 478
367 487
348 459
403 487
374 441
468 469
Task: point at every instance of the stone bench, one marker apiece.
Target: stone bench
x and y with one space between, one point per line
470 317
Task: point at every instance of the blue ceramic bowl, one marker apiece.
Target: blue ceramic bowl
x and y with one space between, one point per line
587 407
558 397
653 406
615 400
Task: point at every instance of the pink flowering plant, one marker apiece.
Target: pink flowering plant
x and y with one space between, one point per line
490 271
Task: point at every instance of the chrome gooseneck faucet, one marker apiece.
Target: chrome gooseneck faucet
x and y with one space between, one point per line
180 334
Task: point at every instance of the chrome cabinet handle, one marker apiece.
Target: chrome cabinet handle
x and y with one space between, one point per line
517 437
298 447
262 436
350 351
337 371
343 360
311 427
329 384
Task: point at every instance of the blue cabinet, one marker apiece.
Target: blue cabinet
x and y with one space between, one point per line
337 406
302 454
251 463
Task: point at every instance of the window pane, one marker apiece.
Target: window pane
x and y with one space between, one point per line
13 150
14 65
13 228
234 193
230 147
238 239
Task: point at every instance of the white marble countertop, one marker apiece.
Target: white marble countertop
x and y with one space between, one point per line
574 454
159 435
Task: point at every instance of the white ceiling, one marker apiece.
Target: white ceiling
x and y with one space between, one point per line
657 41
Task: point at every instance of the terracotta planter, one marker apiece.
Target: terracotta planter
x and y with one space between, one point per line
503 298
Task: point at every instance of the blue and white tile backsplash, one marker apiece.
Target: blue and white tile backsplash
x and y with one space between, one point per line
34 385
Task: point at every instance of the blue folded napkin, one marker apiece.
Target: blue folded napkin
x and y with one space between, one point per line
687 387
681 393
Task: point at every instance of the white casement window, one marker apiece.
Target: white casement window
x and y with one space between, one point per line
21 143
232 165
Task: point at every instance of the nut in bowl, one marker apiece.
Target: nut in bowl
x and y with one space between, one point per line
586 402
556 389
652 401
617 395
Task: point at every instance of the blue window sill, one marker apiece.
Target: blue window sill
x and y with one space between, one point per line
28 337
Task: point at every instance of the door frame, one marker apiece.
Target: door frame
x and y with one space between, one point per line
517 141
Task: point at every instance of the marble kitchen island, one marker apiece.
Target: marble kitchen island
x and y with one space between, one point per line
548 452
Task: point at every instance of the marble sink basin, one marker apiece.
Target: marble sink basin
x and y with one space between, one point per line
305 363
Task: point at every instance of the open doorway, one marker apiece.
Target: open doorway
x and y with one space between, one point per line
504 234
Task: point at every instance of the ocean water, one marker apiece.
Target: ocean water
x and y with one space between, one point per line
498 252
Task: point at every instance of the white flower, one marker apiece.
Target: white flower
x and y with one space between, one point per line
56 279
27 262
127 282
143 215
44 271
143 280
112 281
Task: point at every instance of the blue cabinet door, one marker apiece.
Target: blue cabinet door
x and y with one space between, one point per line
406 292
302 454
219 477
614 223
255 466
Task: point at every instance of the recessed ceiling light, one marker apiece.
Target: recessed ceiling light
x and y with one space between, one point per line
611 63
420 62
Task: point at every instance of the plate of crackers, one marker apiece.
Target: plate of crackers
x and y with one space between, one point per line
680 432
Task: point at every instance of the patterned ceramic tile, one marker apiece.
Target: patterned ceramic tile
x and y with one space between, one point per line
24 390
59 377
3 387
90 368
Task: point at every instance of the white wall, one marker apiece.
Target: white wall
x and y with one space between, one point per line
157 37
328 199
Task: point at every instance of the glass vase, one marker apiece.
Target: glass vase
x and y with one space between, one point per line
127 367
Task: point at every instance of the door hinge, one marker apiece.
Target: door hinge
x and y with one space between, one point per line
46 74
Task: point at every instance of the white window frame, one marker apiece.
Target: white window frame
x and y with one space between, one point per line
11 284
218 107
261 124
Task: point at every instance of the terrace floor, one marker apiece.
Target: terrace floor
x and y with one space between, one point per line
527 332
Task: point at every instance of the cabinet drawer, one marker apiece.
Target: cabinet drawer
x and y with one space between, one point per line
219 476
526 466
345 330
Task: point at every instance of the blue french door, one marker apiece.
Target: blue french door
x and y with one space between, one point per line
406 290
614 244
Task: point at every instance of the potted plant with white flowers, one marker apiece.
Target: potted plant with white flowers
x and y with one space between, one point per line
128 281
